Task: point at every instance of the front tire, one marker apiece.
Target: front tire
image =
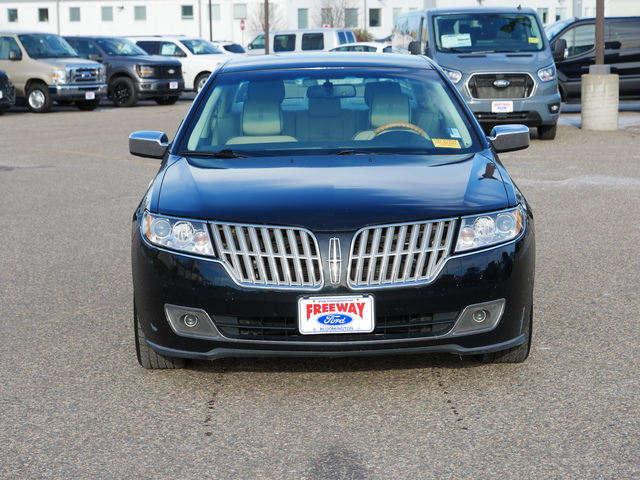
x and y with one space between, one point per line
87 105
39 99
547 132
516 354
123 92
149 358
167 100
200 81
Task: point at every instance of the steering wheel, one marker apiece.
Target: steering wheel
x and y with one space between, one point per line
405 125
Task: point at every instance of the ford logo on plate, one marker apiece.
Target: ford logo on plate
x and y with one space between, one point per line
502 83
334 319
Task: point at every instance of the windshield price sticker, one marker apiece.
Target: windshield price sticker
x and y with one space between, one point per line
502 106
90 95
318 315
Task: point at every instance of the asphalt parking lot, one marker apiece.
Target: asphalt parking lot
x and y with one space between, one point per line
75 404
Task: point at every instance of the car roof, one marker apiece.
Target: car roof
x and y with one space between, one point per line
483 9
326 60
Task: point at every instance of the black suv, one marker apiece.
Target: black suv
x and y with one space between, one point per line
132 74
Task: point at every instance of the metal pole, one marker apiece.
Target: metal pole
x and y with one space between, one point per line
266 27
599 32
210 23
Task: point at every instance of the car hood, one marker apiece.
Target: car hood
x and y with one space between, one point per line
330 194
494 62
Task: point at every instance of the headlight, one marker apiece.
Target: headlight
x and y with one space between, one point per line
144 71
454 75
547 74
189 236
60 76
490 229
102 72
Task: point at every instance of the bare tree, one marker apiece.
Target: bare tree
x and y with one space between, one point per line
256 20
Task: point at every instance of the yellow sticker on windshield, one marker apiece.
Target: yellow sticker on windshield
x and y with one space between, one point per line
534 40
445 143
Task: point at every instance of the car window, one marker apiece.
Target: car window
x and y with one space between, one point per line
120 46
313 41
473 32
8 45
284 43
44 45
200 47
580 39
317 111
86 49
152 48
624 34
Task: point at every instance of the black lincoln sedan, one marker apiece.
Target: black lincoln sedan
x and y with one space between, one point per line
328 205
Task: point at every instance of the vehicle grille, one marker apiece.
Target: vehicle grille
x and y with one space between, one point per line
269 256
266 329
482 86
85 75
163 71
399 254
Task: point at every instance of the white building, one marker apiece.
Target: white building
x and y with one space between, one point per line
240 20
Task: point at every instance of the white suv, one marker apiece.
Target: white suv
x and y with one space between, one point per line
198 57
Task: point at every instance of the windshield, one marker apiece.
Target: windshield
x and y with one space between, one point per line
552 30
120 46
200 47
329 111
483 32
44 45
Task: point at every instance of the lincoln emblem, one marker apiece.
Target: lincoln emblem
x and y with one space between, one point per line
335 261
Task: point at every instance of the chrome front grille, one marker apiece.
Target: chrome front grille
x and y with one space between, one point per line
399 254
85 75
269 256
520 85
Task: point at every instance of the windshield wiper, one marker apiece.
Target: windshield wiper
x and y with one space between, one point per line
227 153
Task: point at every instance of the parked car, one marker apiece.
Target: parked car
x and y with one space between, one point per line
498 57
197 56
132 74
301 40
331 204
376 47
44 68
574 39
230 47
7 92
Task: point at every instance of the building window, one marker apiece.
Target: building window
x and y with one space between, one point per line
351 17
107 14
12 13
327 17
43 14
543 13
214 13
140 13
561 14
74 14
375 19
187 12
303 18
240 11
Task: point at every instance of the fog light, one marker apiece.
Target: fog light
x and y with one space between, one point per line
479 316
554 108
190 320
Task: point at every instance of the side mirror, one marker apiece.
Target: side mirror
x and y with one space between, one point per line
559 50
509 138
15 55
148 144
414 48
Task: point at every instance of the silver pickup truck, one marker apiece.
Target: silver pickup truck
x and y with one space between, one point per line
44 68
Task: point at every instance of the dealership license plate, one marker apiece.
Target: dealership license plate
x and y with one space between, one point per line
173 85
90 95
320 315
502 106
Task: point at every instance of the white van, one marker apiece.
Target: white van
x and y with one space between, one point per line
198 57
304 40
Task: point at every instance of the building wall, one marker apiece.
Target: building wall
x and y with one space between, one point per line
166 16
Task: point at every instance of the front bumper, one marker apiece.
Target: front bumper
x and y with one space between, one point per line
77 92
156 88
262 322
